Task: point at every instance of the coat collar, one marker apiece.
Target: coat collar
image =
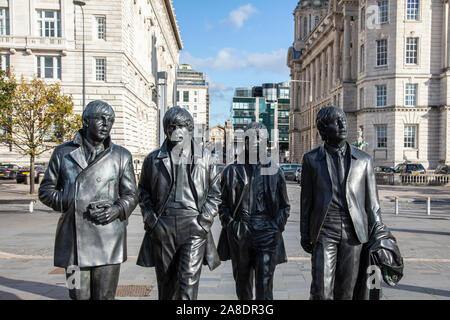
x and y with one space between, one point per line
321 152
78 154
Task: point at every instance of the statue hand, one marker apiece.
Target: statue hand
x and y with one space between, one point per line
306 245
109 214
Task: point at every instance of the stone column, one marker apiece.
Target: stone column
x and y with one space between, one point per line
346 49
447 7
336 51
444 51
323 79
355 46
317 69
329 71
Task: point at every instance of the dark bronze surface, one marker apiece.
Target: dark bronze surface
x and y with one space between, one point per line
95 190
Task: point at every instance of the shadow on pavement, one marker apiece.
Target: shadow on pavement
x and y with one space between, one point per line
421 231
436 292
8 296
38 288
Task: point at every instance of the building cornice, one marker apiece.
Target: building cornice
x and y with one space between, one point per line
173 21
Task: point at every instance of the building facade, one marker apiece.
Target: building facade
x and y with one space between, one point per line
387 64
128 45
193 95
268 104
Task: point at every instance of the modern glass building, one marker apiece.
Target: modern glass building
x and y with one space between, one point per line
268 104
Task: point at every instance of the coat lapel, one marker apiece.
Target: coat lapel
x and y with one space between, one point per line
163 155
322 160
79 157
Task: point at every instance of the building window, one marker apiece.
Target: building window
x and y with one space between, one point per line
4 21
410 137
48 67
305 27
195 108
4 62
383 7
412 10
382 52
195 115
178 96
361 98
49 23
411 95
363 18
316 20
381 134
101 28
185 96
381 96
362 59
100 69
411 50
195 93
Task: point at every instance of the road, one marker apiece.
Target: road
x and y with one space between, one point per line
27 272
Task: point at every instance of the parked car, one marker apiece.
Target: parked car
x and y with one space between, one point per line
383 169
442 169
289 170
24 173
8 171
298 174
410 168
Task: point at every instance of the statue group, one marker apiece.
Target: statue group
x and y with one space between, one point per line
91 182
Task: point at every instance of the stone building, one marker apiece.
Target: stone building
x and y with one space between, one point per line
128 43
193 95
387 64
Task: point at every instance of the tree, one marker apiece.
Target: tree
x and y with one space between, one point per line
7 88
39 116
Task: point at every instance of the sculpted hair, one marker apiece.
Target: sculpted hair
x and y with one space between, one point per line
178 116
325 116
95 107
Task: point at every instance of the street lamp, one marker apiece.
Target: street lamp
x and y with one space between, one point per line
311 113
81 4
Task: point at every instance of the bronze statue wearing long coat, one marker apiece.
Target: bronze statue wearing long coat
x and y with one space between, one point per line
70 185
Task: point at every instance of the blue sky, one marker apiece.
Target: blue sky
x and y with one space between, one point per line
236 43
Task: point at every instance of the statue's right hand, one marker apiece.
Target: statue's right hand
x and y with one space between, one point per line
306 245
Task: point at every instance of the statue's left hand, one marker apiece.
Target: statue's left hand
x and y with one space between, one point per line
111 213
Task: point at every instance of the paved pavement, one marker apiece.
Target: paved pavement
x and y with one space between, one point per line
27 272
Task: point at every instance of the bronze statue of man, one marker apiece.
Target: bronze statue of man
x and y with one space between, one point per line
91 182
254 210
339 208
179 193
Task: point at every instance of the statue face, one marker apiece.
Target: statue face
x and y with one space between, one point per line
99 126
176 133
336 130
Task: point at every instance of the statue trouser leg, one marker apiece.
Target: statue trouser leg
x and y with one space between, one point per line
264 270
243 267
178 250
335 261
96 283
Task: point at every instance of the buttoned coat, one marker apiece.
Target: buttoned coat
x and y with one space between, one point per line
234 179
316 193
155 185
70 185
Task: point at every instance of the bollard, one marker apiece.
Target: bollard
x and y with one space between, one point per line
429 206
31 207
396 206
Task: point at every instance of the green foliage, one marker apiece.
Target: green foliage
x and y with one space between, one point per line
36 116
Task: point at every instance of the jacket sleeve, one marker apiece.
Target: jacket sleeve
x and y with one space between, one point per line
306 198
372 204
284 206
147 208
50 190
211 205
127 187
224 207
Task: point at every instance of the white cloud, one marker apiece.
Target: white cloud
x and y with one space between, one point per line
238 16
229 59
